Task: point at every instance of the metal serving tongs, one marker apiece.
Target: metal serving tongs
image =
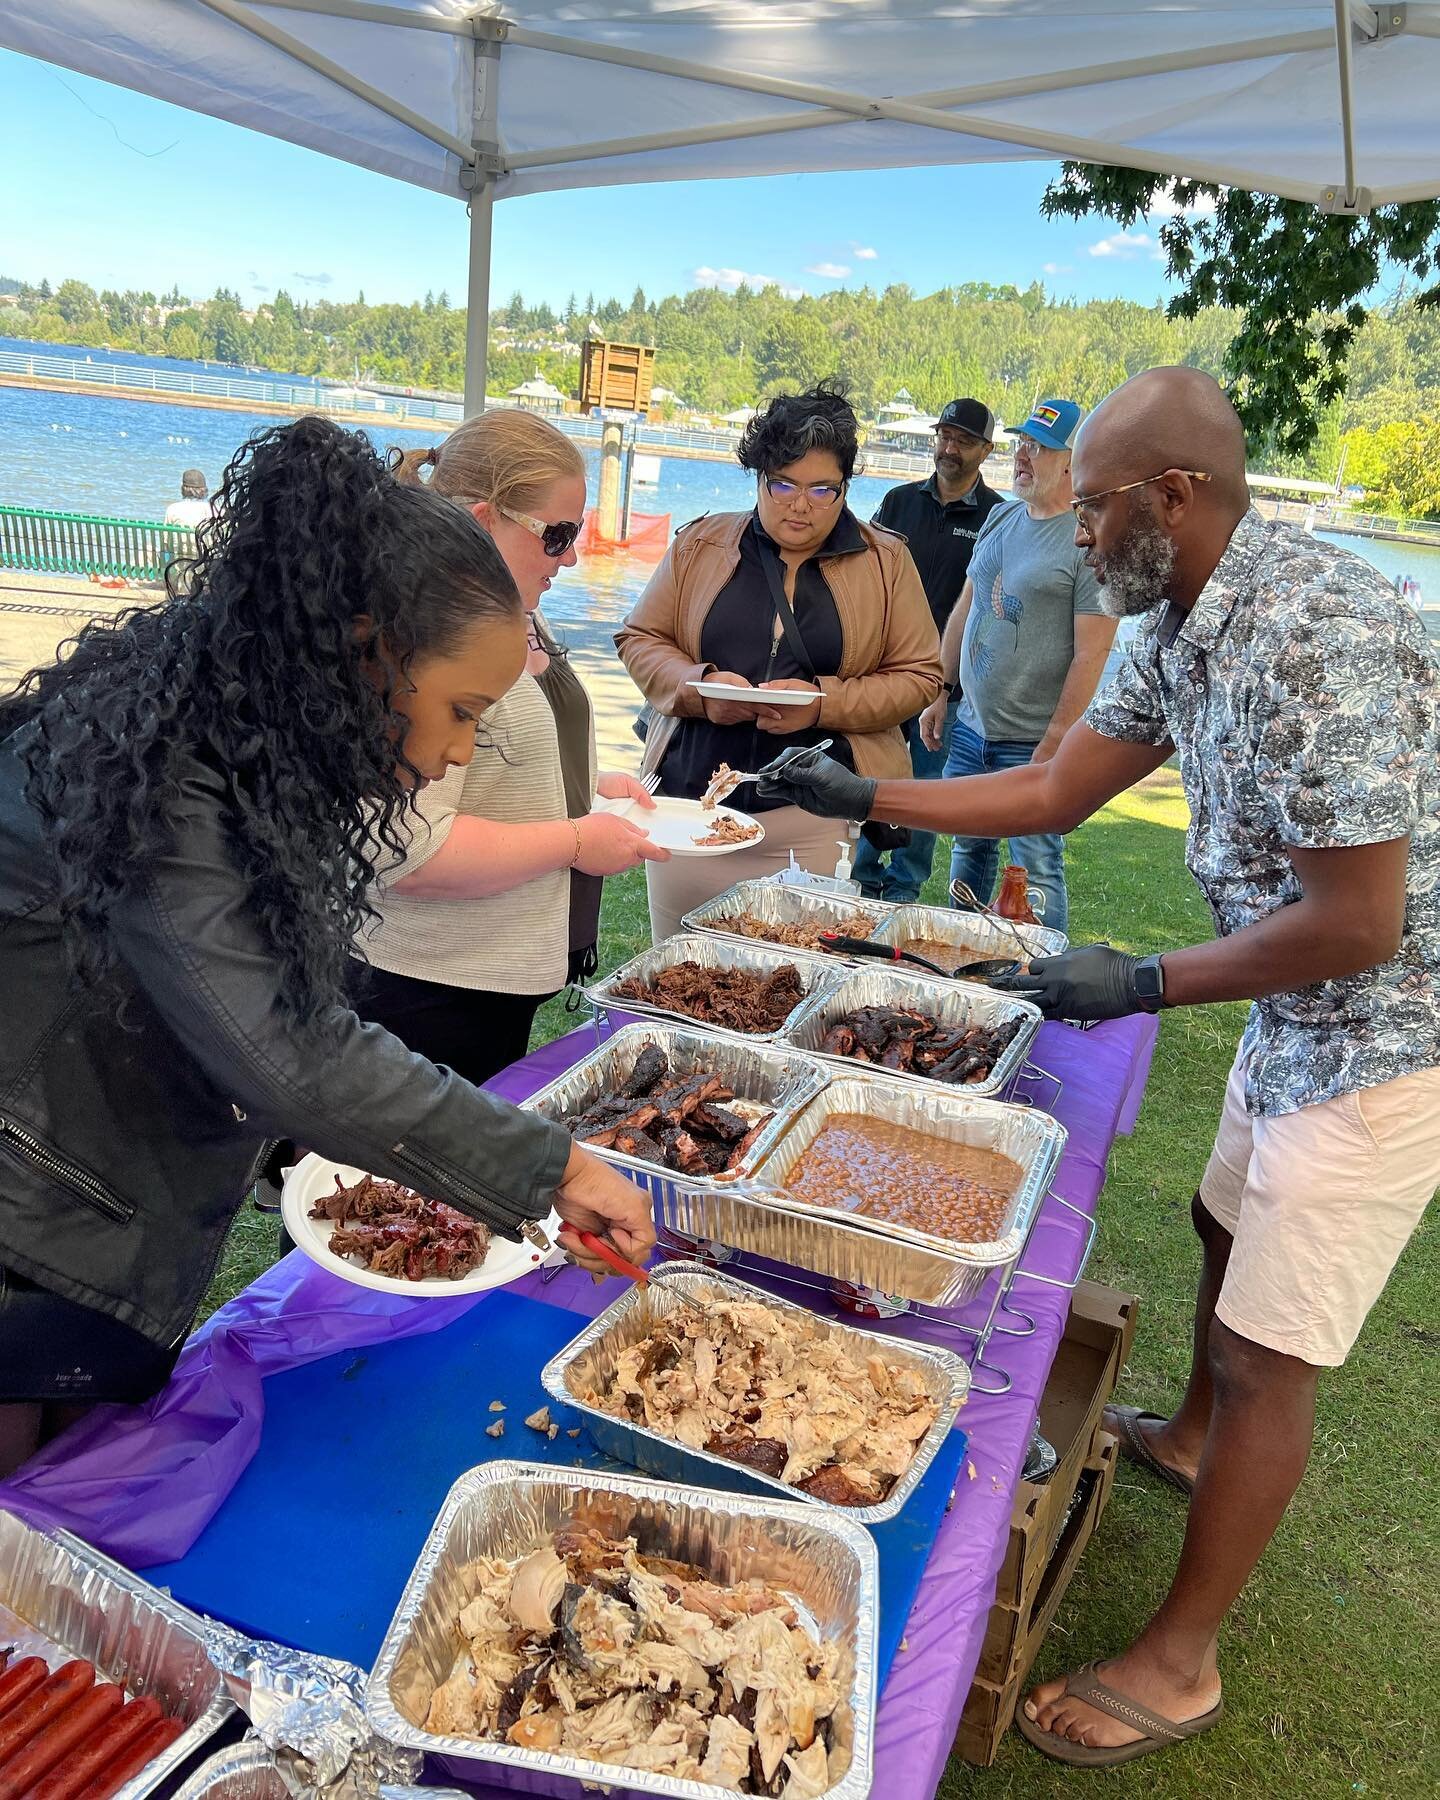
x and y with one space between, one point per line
607 1252
723 786
964 895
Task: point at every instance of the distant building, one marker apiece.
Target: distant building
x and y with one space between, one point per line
538 395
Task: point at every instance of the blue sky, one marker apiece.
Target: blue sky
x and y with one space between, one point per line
124 191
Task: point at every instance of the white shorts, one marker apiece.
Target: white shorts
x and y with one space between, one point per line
1320 1203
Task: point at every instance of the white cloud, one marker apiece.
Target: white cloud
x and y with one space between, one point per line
1058 268
829 271
863 252
1126 245
730 279
1165 206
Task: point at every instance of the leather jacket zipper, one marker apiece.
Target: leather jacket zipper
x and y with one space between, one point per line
67 1174
438 1179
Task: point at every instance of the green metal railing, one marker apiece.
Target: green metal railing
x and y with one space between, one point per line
54 543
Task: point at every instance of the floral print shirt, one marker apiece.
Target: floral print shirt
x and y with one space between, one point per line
1303 697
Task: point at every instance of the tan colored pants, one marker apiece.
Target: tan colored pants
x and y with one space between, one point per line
685 882
1320 1203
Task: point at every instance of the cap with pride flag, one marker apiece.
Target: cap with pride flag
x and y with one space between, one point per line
1053 424
969 415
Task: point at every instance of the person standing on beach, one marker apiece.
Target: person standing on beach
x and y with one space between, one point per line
1023 650
940 519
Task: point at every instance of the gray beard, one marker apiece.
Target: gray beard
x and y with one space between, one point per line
1137 575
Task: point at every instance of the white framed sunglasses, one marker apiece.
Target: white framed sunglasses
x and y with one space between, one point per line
555 539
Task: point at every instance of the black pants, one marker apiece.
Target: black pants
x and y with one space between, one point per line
472 1031
54 1349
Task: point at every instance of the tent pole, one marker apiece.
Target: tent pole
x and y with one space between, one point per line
477 317
1343 49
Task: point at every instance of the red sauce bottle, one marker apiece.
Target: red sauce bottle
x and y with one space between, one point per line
1014 900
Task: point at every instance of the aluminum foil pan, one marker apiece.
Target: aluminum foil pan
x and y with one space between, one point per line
243 1772
951 1002
61 1599
588 1360
781 1080
826 1563
776 903
817 974
762 1219
951 926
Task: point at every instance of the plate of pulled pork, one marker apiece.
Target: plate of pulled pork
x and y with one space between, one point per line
688 828
382 1235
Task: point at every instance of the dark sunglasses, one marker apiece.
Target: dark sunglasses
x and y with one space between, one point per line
555 540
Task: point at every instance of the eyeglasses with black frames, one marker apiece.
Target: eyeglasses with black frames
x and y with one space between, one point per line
820 493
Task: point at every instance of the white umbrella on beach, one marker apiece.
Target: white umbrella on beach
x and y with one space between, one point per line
1332 103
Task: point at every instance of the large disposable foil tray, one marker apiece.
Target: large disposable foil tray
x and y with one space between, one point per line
60 1599
762 1219
780 1080
817 974
826 1563
243 1772
588 1361
949 1002
778 903
991 937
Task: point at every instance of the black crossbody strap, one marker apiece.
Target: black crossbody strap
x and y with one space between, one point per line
789 624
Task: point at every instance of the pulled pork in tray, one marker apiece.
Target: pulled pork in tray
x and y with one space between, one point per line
391 1230
898 1037
688 1124
587 1648
737 999
793 935
774 1392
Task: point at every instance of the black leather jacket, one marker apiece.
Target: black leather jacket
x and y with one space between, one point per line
124 1153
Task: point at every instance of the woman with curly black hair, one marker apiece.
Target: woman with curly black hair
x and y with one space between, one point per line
193 803
797 595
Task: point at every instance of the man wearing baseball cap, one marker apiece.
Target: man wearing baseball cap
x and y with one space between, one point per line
1023 650
940 519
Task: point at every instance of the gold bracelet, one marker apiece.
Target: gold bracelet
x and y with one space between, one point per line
574 825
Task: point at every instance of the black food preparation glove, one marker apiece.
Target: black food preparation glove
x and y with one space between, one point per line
817 783
1093 983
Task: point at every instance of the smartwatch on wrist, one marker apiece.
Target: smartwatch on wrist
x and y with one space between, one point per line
1148 981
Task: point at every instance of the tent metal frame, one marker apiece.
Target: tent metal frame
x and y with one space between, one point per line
483 160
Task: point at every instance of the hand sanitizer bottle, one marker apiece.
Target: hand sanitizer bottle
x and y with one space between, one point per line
843 882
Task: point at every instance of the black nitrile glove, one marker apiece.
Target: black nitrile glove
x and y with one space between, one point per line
1094 983
817 783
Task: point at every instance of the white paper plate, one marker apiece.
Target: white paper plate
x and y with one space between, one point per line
675 825
313 1176
721 690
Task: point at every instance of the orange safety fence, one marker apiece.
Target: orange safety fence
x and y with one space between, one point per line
648 537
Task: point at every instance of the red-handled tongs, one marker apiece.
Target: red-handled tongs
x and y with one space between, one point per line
606 1251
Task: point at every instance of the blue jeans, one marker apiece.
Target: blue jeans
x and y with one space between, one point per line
976 860
909 868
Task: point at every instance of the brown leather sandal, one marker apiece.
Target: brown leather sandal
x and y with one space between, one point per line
1124 1422
1160 1733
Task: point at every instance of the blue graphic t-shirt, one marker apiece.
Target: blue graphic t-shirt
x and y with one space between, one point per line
1030 580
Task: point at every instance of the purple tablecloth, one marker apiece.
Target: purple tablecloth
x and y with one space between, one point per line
142 1482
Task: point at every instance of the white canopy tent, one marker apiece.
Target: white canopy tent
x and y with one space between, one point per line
1332 102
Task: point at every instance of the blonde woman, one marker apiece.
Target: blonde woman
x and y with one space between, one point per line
497 902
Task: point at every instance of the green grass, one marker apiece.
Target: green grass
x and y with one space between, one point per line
1330 1657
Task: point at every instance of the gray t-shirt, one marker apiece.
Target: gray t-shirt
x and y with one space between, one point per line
1030 580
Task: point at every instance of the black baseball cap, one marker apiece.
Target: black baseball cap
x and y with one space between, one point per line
969 415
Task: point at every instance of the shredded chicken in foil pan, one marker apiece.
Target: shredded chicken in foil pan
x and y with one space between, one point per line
766 1389
589 1649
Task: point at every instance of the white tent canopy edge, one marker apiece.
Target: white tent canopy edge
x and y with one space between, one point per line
1321 103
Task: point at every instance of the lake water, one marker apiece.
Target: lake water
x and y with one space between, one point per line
124 458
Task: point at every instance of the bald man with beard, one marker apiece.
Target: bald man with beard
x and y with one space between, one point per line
1303 700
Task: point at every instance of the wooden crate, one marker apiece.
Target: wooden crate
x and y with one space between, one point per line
616 376
991 1705
1094 1349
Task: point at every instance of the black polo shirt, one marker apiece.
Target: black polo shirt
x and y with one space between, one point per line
739 635
940 535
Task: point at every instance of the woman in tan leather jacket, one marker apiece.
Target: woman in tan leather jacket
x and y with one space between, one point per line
859 635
